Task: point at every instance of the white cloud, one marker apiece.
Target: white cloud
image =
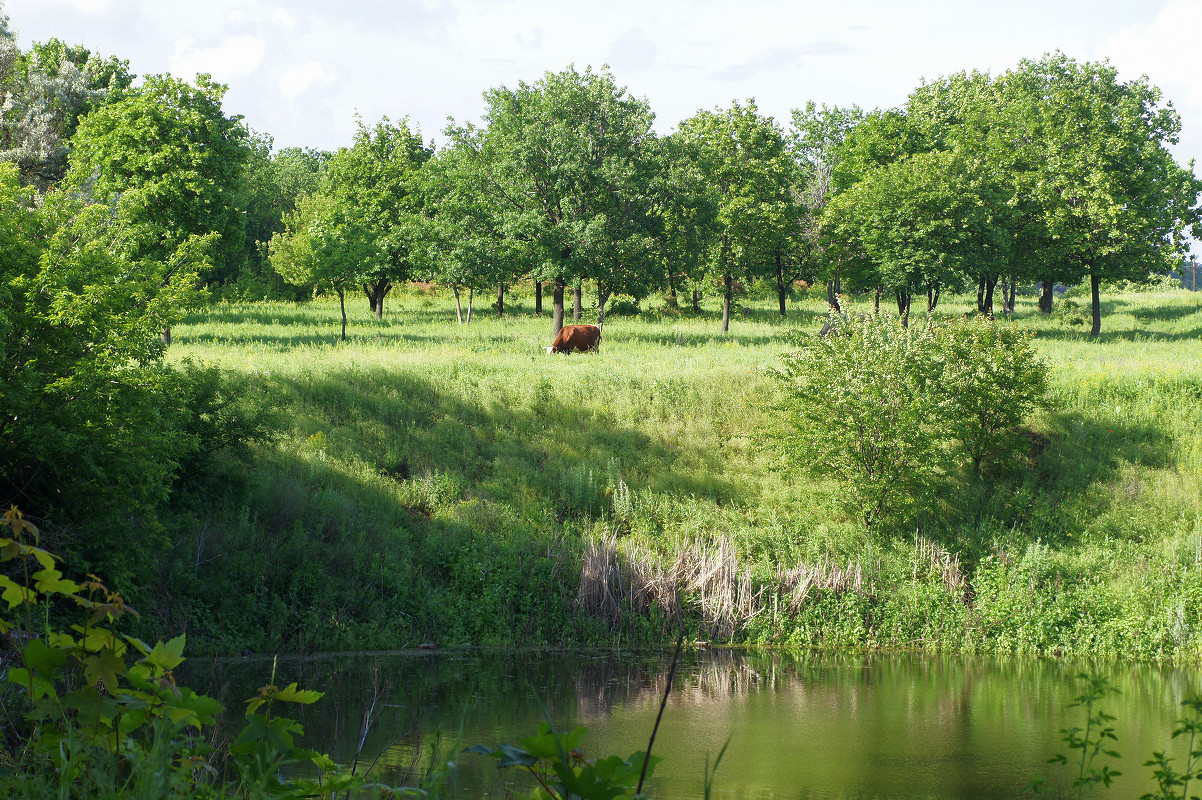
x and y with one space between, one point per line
1164 49
296 81
634 50
236 57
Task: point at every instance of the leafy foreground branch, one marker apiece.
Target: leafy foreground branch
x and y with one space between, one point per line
1095 742
103 715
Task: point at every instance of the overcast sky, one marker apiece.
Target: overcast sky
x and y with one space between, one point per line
299 70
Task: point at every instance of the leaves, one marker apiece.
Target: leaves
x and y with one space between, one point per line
556 762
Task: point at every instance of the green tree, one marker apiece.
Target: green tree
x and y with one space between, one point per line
377 182
467 247
924 222
748 172
687 214
170 141
324 245
1110 194
93 424
272 185
565 163
815 138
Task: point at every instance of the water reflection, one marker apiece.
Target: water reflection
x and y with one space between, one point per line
800 724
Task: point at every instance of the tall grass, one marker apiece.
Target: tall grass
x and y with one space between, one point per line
431 481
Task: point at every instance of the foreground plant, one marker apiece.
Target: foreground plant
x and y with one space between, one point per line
562 771
104 716
1174 785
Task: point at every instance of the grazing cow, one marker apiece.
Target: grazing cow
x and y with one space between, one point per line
576 337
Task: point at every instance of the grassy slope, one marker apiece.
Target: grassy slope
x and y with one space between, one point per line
437 482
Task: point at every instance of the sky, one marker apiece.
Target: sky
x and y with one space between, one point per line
300 70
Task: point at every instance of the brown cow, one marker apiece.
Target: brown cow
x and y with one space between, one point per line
576 337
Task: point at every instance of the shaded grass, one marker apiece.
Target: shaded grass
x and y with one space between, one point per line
431 481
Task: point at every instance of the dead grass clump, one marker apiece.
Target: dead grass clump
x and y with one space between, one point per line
933 559
797 584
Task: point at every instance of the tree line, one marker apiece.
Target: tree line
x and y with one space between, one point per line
1052 172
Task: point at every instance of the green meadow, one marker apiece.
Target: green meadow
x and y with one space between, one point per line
431 482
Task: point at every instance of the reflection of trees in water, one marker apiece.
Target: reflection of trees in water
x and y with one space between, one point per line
885 702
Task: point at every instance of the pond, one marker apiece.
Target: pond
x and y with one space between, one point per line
800 724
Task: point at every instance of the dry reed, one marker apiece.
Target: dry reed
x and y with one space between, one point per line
705 576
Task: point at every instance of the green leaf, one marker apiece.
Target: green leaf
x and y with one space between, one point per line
102 669
291 694
167 655
37 686
42 658
51 581
15 594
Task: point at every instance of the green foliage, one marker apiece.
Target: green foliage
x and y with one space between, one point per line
1096 738
886 408
1174 785
170 141
993 380
586 209
748 173
863 406
556 762
104 716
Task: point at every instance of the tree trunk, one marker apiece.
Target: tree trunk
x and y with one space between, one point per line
672 301
458 307
981 295
602 296
876 306
832 293
1045 297
1008 296
470 292
375 295
557 287
501 299
538 297
903 307
166 335
696 301
932 297
1095 284
342 305
780 283
728 293
990 283
577 300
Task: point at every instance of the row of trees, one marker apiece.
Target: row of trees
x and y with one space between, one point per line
1052 172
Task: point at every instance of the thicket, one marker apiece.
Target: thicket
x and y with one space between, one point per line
98 430
895 412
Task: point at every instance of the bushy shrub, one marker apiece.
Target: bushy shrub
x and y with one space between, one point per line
862 408
891 411
96 427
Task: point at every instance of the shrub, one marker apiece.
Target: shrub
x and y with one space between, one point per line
862 410
991 379
890 411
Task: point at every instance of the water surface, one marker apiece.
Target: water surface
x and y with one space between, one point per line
799 724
